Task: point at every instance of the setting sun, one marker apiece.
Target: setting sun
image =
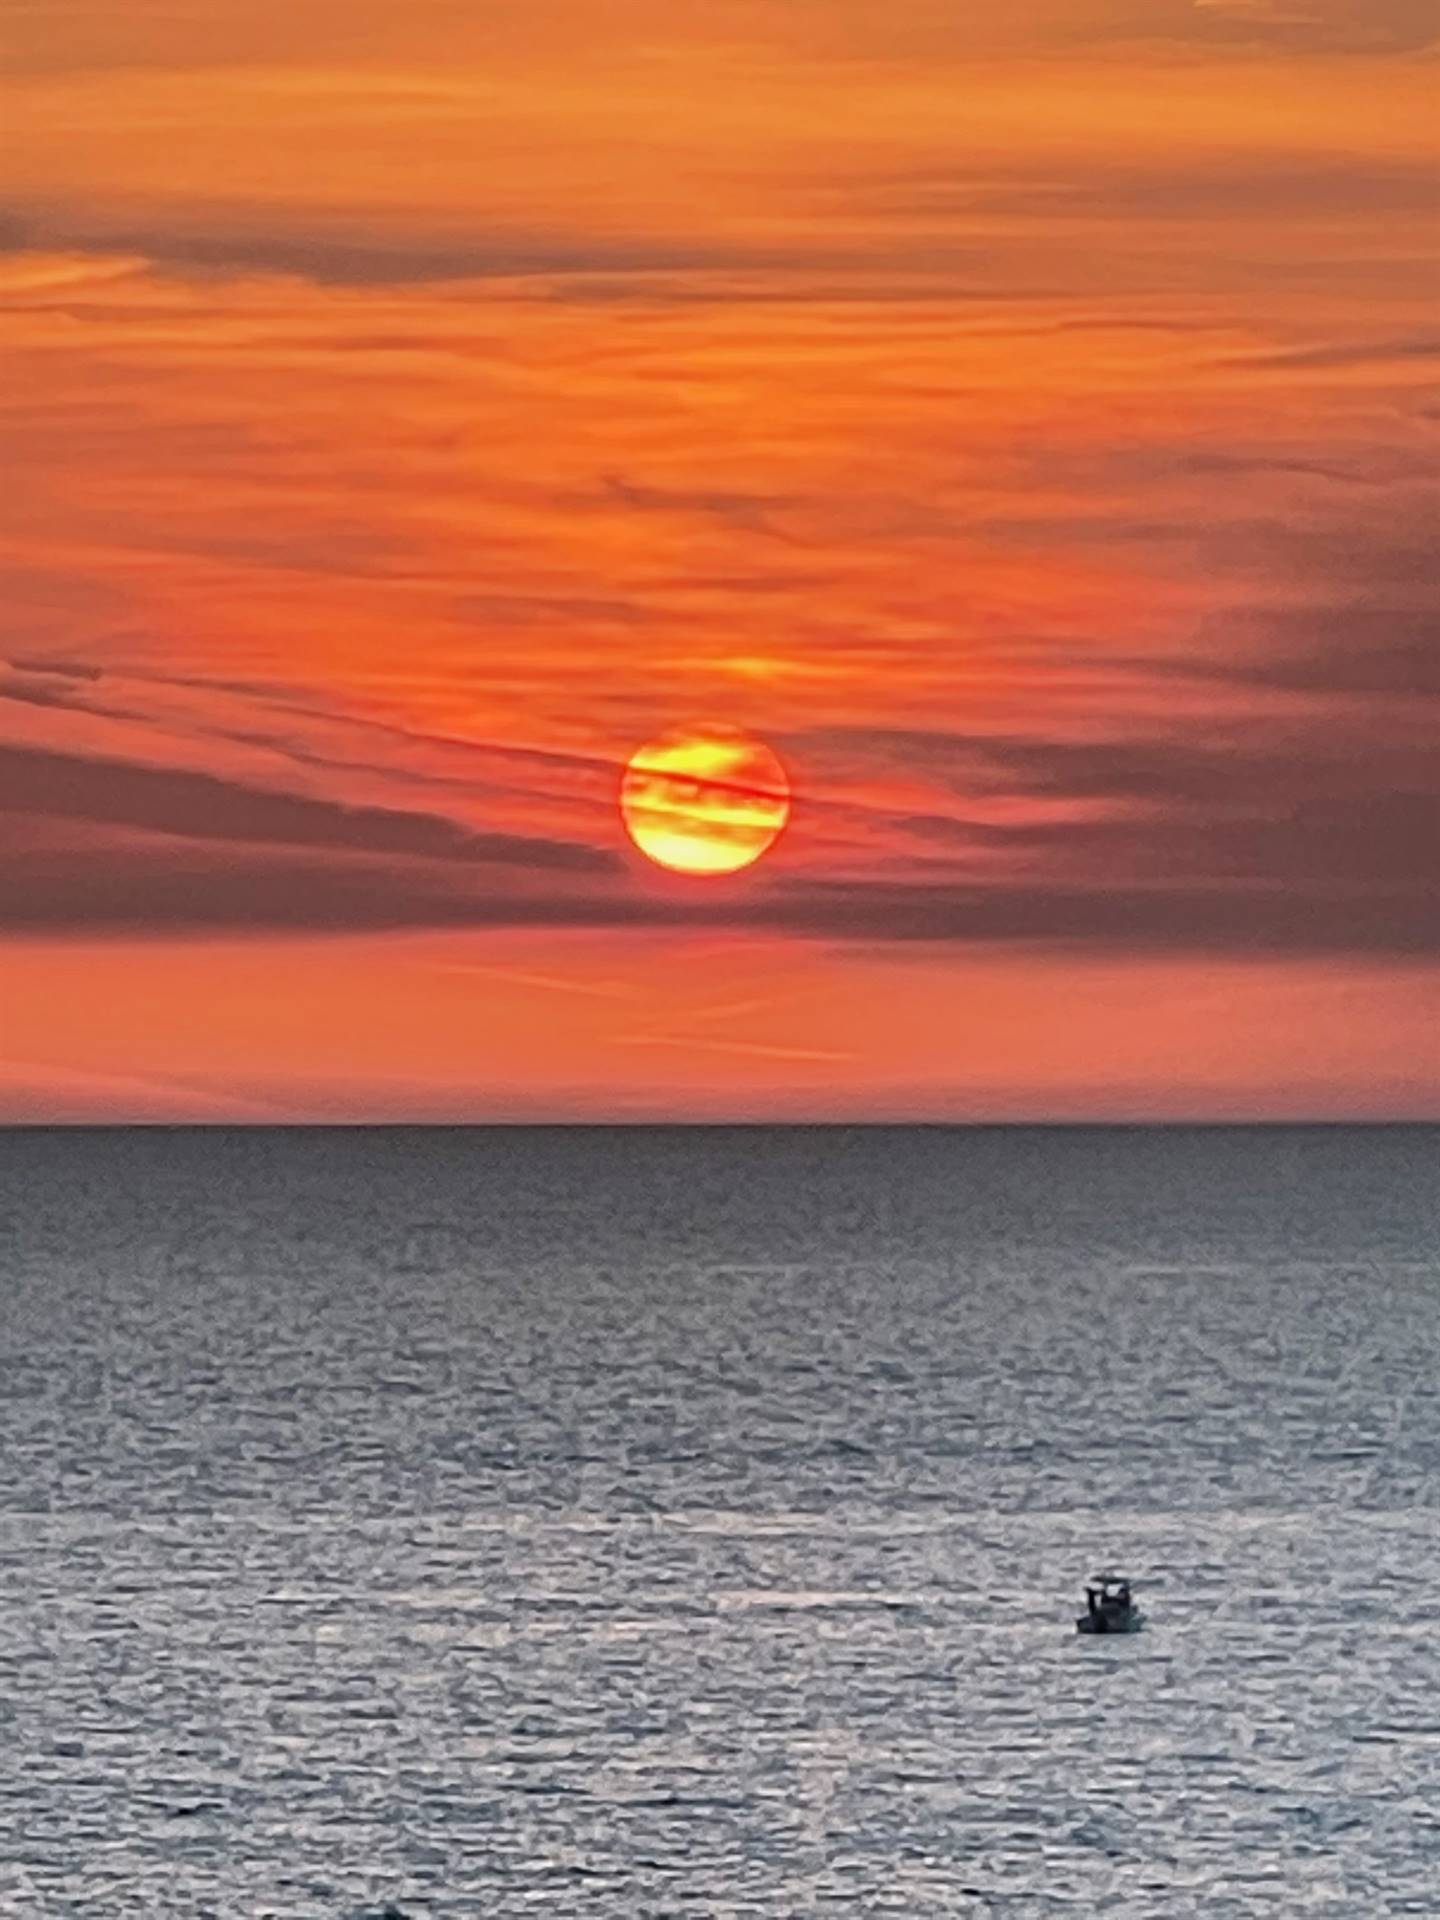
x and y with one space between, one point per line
705 800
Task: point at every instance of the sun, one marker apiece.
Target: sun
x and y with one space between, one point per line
705 800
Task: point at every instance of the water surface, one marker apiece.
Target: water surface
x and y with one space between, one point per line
647 1523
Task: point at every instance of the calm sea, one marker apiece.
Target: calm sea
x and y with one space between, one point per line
649 1523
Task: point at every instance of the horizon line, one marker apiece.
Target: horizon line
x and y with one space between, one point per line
621 1124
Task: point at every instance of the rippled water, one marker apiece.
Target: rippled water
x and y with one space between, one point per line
642 1523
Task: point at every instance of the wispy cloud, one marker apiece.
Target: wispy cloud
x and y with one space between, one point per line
1357 26
1249 187
748 512
189 806
365 251
1346 353
746 1049
565 985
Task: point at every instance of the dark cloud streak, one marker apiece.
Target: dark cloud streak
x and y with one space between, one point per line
1245 186
206 807
163 892
1343 353
237 240
1197 850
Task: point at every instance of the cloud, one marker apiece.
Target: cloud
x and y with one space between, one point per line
1168 845
1268 833
59 669
106 883
280 719
45 37
572 268
230 239
192 806
1256 185
1358 26
1388 469
1176 917
38 690
108 889
1369 653
746 512
940 229
1345 353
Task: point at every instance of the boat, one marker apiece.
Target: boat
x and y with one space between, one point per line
1109 1607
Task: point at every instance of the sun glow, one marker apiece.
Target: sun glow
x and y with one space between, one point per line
705 800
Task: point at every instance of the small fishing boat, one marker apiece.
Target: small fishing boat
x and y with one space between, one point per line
1109 1607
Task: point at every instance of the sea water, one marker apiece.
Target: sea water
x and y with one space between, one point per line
644 1523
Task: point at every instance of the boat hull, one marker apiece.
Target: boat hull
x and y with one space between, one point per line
1132 1622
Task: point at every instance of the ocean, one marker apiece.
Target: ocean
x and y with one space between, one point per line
641 1522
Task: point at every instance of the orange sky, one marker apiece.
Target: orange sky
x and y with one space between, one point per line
1029 429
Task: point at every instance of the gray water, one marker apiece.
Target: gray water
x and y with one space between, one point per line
691 1523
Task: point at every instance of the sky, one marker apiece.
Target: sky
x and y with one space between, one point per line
1023 420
